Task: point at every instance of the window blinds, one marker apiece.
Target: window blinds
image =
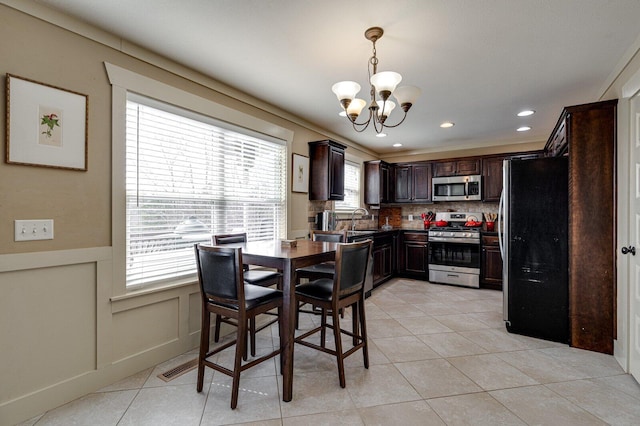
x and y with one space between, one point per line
187 179
351 187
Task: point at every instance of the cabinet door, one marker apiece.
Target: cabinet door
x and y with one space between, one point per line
336 173
469 166
415 257
403 184
462 167
491 267
444 168
385 183
421 183
492 178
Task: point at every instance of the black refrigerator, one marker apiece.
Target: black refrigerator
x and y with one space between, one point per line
534 246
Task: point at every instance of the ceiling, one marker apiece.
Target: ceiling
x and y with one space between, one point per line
478 62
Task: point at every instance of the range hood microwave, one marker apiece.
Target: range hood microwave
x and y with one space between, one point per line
457 188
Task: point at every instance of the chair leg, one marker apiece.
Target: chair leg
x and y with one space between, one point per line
323 327
204 346
281 332
216 336
354 323
338 342
363 333
252 335
241 342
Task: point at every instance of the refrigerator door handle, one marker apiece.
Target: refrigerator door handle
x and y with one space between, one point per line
503 235
500 234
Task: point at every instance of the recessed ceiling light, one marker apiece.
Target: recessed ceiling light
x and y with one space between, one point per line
381 135
523 128
342 113
526 113
397 145
447 124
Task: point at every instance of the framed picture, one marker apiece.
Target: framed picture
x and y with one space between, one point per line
300 173
46 125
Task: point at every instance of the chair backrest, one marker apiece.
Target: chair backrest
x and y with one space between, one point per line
220 273
329 236
351 267
230 238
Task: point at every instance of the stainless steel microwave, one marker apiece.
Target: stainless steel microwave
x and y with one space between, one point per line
457 188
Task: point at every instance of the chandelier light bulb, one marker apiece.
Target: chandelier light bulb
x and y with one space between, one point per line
385 83
355 108
407 96
345 91
388 107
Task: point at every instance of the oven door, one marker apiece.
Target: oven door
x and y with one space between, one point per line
456 263
458 254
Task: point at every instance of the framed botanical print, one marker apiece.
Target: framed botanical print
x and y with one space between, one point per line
46 125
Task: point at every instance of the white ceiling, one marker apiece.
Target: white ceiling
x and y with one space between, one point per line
478 62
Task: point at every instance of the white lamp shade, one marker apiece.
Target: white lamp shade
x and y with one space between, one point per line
388 107
346 89
407 94
356 106
386 81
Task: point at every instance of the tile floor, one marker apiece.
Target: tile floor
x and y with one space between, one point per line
439 355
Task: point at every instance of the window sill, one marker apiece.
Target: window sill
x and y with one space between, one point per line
154 289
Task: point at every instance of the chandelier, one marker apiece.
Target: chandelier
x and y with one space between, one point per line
381 83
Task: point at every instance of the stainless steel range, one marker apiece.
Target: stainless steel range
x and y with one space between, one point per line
454 250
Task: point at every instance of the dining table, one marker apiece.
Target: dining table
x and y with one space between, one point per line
286 259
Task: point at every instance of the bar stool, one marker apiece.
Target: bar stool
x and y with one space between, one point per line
225 293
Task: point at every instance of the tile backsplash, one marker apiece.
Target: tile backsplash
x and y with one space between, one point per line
398 214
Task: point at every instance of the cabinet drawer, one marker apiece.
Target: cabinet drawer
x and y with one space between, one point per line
416 236
490 240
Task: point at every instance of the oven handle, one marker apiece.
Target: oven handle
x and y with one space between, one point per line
471 241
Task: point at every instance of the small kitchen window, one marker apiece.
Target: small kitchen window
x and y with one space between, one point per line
352 180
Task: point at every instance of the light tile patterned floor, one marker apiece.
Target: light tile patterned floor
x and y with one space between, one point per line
439 355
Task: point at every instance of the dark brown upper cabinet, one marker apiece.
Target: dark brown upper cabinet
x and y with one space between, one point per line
458 167
377 182
412 182
492 177
326 170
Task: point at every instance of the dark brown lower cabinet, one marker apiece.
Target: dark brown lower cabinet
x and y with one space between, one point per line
413 258
491 268
383 259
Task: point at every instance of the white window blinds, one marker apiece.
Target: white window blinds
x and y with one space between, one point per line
187 179
351 187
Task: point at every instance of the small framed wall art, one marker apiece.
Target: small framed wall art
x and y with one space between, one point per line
46 125
300 173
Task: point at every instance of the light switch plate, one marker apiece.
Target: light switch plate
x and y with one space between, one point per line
30 230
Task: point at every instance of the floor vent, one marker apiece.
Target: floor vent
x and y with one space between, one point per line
178 371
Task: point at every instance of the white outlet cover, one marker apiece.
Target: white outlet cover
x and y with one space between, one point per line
31 230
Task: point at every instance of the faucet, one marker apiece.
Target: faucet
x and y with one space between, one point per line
353 219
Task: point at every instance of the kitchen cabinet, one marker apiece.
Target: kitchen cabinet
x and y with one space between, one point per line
590 132
558 144
492 177
492 172
384 250
377 182
326 170
412 182
413 255
491 263
457 167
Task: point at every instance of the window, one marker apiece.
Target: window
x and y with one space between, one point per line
351 187
188 177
